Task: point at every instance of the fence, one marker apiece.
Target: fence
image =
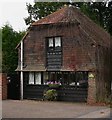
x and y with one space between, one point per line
65 93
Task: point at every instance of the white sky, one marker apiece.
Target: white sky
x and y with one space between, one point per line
14 12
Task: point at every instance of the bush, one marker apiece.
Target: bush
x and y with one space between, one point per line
53 86
50 95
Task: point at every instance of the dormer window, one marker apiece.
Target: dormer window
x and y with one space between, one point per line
54 44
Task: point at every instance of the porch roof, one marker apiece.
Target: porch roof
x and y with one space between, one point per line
32 68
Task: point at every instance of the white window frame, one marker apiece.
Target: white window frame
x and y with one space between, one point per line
34 78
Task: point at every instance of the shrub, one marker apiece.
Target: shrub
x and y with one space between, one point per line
53 86
50 95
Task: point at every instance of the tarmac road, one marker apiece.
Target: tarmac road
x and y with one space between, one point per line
43 109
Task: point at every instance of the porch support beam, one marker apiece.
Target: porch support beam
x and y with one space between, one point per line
21 76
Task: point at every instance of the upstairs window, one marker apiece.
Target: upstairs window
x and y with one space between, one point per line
50 42
57 42
54 44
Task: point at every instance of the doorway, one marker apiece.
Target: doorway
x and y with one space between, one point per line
13 86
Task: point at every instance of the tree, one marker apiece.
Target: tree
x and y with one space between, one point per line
108 18
10 39
100 13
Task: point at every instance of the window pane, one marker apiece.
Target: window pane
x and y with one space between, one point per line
45 77
31 78
72 80
37 78
57 42
50 42
66 78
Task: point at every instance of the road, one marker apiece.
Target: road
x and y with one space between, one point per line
43 109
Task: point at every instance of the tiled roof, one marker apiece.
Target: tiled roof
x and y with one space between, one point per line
71 14
65 14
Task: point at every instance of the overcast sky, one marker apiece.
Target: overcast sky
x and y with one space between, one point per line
14 12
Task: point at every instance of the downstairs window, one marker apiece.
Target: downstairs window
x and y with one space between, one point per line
34 78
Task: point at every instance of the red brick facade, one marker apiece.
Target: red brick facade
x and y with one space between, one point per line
3 86
83 48
91 88
75 53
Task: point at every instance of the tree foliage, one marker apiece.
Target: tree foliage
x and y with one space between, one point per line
10 39
97 11
100 13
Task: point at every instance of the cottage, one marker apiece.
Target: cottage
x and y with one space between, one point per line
69 48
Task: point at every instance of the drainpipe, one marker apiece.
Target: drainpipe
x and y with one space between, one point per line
21 81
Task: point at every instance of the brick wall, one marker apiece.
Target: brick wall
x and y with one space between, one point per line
91 88
75 47
3 86
78 54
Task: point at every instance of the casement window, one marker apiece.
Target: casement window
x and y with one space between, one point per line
38 78
54 44
34 78
31 77
67 78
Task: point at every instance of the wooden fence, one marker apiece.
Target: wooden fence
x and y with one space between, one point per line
65 93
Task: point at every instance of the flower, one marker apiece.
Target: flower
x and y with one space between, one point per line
53 84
